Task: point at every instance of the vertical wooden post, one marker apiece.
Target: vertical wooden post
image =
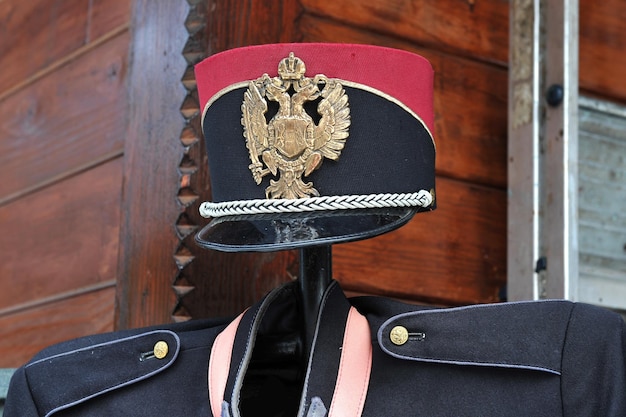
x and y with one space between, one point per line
523 149
151 158
543 150
559 227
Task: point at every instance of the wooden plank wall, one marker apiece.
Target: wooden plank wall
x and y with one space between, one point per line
602 40
63 119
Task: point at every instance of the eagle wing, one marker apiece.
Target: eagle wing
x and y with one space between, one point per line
332 131
255 129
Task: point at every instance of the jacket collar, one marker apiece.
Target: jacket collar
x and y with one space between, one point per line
341 352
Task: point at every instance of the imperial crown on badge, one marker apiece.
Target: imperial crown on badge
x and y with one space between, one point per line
291 145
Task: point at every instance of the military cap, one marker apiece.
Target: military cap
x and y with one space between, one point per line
312 144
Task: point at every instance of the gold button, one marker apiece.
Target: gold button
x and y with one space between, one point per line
160 349
399 335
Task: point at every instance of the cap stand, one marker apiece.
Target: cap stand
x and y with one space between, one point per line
315 277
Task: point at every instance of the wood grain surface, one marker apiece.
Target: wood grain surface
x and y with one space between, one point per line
63 123
63 120
62 238
24 333
602 42
38 35
475 29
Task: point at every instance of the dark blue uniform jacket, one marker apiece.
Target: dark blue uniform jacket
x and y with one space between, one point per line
370 356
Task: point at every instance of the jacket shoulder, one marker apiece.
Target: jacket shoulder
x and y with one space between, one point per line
73 372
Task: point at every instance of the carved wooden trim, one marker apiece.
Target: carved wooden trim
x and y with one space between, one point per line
191 168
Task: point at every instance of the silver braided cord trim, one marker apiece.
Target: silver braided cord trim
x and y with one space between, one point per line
421 198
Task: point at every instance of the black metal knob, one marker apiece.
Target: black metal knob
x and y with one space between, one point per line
554 95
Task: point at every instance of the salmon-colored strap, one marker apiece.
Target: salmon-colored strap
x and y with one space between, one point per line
354 368
352 378
219 365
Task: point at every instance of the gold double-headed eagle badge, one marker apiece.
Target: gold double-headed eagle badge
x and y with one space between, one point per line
310 124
